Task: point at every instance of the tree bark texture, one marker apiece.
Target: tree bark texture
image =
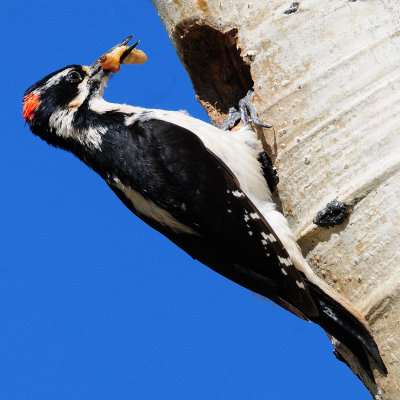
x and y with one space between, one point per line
327 77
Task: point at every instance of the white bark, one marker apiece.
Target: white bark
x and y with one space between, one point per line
328 78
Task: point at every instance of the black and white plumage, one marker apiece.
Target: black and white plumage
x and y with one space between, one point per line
200 186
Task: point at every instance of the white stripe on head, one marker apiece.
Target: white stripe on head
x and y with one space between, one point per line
54 80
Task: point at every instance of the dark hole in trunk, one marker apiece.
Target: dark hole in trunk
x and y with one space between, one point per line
219 74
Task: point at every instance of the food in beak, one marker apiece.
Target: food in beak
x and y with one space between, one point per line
111 61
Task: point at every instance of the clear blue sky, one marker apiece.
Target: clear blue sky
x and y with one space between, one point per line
93 303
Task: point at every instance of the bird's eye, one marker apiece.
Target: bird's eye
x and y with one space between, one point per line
74 76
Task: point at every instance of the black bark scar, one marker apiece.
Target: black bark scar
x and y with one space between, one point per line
333 214
293 8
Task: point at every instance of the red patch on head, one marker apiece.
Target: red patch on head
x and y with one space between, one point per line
30 104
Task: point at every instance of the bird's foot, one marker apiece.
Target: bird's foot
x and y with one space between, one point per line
246 113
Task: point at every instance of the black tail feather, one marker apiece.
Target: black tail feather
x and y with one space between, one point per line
346 328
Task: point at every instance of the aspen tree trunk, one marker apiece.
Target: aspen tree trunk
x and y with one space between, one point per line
327 75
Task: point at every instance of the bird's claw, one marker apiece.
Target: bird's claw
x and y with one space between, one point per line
246 113
233 117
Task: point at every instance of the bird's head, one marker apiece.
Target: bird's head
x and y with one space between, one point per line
55 106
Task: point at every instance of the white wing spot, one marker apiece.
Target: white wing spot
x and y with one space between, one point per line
329 312
284 272
250 233
300 285
271 238
246 218
254 216
264 242
238 193
285 261
229 211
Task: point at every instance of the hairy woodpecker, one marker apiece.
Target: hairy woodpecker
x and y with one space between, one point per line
200 186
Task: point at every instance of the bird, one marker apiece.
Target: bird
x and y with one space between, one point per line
200 185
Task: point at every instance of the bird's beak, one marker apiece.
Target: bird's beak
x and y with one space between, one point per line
96 68
127 52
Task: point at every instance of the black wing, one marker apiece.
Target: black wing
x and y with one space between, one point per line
170 166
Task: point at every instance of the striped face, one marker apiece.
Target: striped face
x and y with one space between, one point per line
55 90
51 105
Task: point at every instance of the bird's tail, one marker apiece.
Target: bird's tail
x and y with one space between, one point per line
336 318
